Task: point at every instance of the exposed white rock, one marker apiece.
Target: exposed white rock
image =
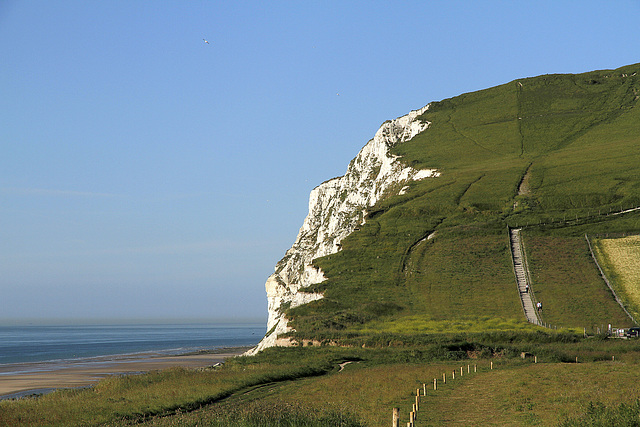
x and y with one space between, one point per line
336 208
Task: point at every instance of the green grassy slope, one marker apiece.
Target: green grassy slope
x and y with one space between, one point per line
565 280
574 140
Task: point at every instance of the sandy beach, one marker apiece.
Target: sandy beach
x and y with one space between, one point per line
21 379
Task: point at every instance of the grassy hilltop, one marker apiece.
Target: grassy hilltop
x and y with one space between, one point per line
553 153
426 287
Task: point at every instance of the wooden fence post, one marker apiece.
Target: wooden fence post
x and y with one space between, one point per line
535 359
453 375
468 369
435 383
492 364
424 389
444 378
396 417
460 370
475 367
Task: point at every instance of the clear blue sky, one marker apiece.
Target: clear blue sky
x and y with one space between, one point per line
147 174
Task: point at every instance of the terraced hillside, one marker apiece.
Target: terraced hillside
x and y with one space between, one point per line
554 154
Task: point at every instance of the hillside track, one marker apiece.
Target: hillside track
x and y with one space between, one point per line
522 277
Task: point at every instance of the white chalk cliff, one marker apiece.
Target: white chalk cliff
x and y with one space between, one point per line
336 208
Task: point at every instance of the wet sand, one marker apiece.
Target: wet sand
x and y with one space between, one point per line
22 379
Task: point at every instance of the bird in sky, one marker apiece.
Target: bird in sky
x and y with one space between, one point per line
205 40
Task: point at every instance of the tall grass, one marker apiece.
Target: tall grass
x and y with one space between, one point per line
258 414
515 392
544 394
625 414
137 397
368 393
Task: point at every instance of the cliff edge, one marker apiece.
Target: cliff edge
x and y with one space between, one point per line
336 208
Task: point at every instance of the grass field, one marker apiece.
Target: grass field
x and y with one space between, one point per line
515 392
533 394
307 387
620 259
568 283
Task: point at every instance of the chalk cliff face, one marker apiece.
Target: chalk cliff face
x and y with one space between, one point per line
336 208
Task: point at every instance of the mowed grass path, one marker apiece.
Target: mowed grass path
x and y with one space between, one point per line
370 393
514 393
568 283
541 394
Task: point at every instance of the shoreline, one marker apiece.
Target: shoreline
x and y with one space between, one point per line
44 377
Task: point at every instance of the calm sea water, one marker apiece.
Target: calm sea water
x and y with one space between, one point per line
28 344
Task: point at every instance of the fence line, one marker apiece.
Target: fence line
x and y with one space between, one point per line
529 281
612 235
604 276
413 414
576 220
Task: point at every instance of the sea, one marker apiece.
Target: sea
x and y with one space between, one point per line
25 345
